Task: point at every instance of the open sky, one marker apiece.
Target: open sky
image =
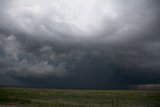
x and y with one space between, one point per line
91 44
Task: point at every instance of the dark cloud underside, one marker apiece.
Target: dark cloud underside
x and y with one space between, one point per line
111 45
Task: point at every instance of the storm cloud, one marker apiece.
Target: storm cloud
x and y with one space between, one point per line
100 44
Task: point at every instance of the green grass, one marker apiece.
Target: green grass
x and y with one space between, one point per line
32 97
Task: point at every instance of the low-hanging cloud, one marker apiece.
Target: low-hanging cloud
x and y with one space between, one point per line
24 63
79 43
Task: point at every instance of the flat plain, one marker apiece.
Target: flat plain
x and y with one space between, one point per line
39 97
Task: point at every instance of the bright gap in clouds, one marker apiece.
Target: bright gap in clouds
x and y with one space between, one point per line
82 15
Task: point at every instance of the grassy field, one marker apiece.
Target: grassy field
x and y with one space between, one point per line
32 97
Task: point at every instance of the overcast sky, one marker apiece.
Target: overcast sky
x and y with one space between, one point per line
92 44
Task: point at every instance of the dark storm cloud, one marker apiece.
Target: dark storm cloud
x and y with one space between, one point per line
40 47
